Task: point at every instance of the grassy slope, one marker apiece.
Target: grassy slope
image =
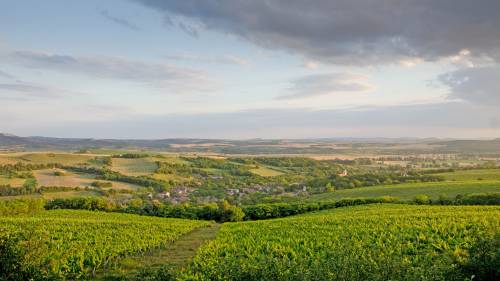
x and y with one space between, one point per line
265 172
410 190
176 255
484 174
134 167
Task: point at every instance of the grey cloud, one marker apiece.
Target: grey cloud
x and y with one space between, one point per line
324 84
159 75
477 85
352 31
120 21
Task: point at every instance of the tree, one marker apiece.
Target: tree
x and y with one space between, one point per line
330 187
230 212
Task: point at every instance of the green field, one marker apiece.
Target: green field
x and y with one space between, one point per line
373 242
479 174
266 172
72 244
134 167
410 190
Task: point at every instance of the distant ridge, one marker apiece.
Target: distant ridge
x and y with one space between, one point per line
259 146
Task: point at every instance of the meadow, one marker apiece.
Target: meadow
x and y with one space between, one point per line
408 191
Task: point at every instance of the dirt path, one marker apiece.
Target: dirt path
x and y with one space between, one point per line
176 255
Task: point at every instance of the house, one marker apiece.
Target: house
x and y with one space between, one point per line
164 195
344 173
233 191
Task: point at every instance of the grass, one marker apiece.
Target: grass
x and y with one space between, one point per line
176 255
410 190
479 174
44 158
134 167
15 182
265 172
68 194
46 177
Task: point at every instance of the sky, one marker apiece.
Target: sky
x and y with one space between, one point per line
242 69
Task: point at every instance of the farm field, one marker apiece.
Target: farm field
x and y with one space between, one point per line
134 167
15 182
410 190
73 244
45 158
265 172
46 177
372 242
479 174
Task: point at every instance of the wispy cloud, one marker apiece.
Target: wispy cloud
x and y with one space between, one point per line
120 21
6 75
24 90
225 59
159 75
327 84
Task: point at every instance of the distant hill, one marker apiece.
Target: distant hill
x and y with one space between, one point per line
471 146
8 141
258 146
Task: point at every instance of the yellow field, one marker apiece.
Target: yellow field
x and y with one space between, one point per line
46 178
13 182
44 158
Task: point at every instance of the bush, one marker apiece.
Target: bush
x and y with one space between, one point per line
13 266
59 173
483 263
81 203
21 207
101 184
422 199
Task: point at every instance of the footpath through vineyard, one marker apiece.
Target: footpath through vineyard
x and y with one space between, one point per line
175 256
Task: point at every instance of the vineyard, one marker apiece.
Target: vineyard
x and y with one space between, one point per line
73 244
374 242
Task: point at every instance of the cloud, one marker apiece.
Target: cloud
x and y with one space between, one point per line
6 75
327 84
226 59
309 64
480 85
356 32
120 21
432 120
155 74
24 90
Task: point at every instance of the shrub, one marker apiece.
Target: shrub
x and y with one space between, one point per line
483 263
422 199
21 206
